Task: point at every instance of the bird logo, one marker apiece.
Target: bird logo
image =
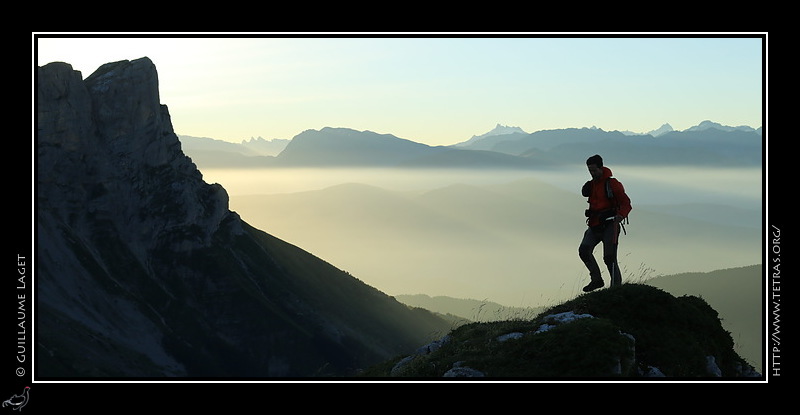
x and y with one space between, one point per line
18 401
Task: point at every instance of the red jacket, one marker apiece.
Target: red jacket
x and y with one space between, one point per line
599 202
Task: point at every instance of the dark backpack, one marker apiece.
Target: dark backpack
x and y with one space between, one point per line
610 195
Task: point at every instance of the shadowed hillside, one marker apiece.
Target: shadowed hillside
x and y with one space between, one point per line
143 271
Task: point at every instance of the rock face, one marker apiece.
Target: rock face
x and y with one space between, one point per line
142 270
106 151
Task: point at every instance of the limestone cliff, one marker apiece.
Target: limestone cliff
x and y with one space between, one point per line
142 270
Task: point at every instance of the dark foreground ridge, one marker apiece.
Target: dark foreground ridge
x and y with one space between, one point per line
631 331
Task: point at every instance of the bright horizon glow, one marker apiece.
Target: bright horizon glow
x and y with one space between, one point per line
433 90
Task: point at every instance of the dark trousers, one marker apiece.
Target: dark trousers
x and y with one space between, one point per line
607 234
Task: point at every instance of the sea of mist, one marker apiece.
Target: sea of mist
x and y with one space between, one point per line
508 236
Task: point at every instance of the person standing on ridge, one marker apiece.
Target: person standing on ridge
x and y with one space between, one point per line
609 205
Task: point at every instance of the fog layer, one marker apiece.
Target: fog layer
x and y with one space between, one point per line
505 236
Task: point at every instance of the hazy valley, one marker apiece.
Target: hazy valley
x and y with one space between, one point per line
499 240
508 236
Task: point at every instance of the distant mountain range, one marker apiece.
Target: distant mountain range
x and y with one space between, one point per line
706 144
256 146
499 130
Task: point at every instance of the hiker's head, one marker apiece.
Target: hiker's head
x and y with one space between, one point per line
596 160
595 166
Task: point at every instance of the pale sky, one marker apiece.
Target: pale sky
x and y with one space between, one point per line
432 89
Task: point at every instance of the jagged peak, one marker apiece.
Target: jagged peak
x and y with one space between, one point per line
111 128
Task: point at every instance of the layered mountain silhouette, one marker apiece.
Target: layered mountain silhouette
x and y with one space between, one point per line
208 152
487 140
144 271
708 144
254 147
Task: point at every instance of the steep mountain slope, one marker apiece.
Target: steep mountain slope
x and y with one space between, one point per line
144 271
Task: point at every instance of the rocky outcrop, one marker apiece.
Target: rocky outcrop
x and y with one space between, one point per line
142 270
631 331
112 127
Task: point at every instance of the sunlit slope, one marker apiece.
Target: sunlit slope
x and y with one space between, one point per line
514 243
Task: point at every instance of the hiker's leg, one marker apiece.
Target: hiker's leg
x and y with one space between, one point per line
610 245
585 251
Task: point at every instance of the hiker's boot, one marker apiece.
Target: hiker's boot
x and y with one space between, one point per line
593 285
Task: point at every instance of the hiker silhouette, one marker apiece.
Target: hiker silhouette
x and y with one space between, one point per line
609 205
